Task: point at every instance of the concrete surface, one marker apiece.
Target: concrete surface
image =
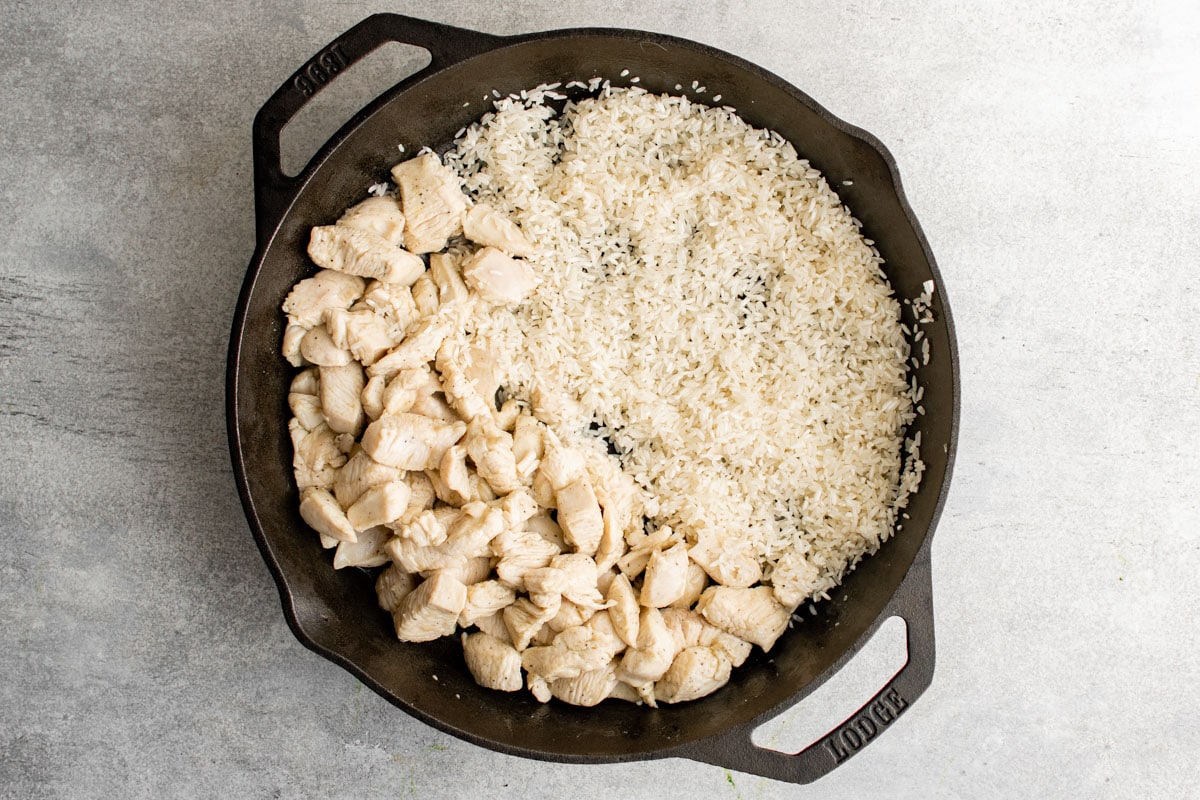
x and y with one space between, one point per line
1050 152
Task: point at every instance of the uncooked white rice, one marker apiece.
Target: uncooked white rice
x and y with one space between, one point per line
715 309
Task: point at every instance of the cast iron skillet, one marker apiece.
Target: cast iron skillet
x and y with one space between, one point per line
334 613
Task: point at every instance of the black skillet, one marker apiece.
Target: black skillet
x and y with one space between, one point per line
334 613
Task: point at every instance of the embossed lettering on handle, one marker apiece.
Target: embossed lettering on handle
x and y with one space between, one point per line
852 736
320 70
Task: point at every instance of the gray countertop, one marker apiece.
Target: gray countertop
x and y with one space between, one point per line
1051 154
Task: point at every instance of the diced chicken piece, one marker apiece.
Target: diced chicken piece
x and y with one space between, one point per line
554 406
498 278
728 559
654 653
469 571
560 465
494 664
527 446
480 369
634 562
542 491
318 348
444 271
364 253
429 528
405 386
617 491
432 199
431 610
666 577
345 442
539 688
487 226
794 579
579 515
604 633
365 334
472 533
425 295
379 215
307 410
455 476
421 559
506 416
574 650
419 347
421 496
316 456
293 335
751 614
491 450
694 585
623 691
587 688
624 610
518 508
692 630
321 511
372 397
341 397
435 406
612 543
306 303
493 625
392 586
462 393
379 505
604 578
695 672
581 579
569 615
524 619
366 552
410 441
545 635
394 302
519 553
541 524
545 585
306 382
484 599
360 473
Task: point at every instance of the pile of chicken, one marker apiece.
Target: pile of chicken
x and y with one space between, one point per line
485 519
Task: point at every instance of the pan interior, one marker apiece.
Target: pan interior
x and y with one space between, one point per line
335 612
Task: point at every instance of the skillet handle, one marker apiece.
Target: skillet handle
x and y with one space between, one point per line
914 603
447 45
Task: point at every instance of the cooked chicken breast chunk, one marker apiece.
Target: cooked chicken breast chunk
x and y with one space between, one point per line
379 505
306 303
341 397
498 278
752 614
364 253
379 215
432 199
665 579
431 610
493 663
695 672
410 441
392 586
366 552
321 511
485 225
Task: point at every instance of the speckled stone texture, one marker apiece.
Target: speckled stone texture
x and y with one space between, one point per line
1051 153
